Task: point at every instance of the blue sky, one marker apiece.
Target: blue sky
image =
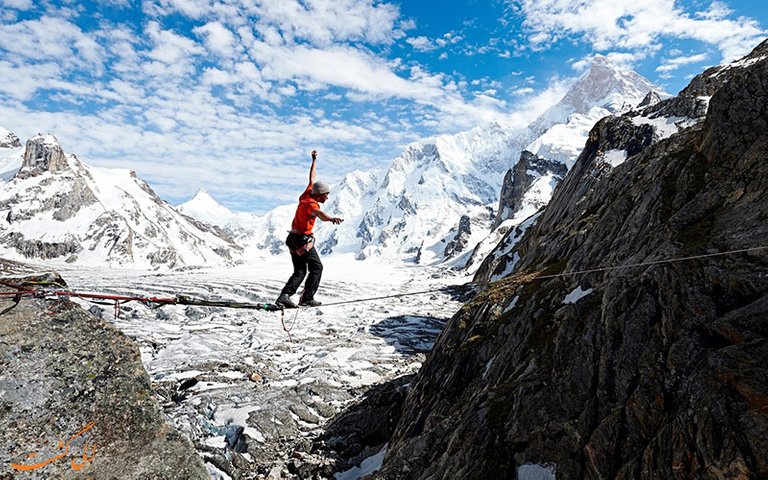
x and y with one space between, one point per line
231 95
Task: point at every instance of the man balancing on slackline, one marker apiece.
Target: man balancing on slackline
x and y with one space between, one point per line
301 242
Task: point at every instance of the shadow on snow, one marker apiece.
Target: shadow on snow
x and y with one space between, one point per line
409 334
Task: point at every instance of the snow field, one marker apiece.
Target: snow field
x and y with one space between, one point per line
249 371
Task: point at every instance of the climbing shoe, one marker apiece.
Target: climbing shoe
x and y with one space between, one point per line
284 301
310 303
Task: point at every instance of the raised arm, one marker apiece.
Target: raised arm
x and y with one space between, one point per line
313 168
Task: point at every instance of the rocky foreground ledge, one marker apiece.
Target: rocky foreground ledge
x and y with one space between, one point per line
75 401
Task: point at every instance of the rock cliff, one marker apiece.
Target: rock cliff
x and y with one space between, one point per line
519 180
66 376
655 370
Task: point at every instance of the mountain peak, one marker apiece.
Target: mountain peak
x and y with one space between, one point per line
202 195
47 139
203 206
601 60
604 86
44 153
607 86
8 139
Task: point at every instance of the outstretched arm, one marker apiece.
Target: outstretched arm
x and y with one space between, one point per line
327 218
313 168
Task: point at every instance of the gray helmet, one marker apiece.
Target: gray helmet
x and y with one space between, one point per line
319 188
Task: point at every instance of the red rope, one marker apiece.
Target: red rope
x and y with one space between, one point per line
103 296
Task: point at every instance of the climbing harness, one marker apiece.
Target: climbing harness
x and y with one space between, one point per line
300 244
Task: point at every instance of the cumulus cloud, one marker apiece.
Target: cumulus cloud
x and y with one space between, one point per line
421 44
630 24
523 91
326 21
51 39
624 60
219 39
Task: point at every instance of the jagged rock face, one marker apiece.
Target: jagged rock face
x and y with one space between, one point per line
461 239
651 99
43 154
654 371
518 181
609 134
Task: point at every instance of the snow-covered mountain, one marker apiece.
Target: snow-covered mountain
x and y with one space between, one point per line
259 236
439 198
561 132
603 85
55 207
203 207
414 209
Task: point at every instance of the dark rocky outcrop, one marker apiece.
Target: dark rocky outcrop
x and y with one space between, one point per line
62 369
364 427
40 249
517 181
651 371
652 98
460 240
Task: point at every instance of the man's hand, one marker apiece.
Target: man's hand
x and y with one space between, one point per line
314 155
336 220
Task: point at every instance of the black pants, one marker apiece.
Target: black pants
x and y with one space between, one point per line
311 261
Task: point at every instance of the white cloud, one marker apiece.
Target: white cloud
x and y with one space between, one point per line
324 22
192 8
624 60
449 39
371 77
170 47
51 39
17 4
632 24
35 77
534 104
219 39
671 64
321 22
421 44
